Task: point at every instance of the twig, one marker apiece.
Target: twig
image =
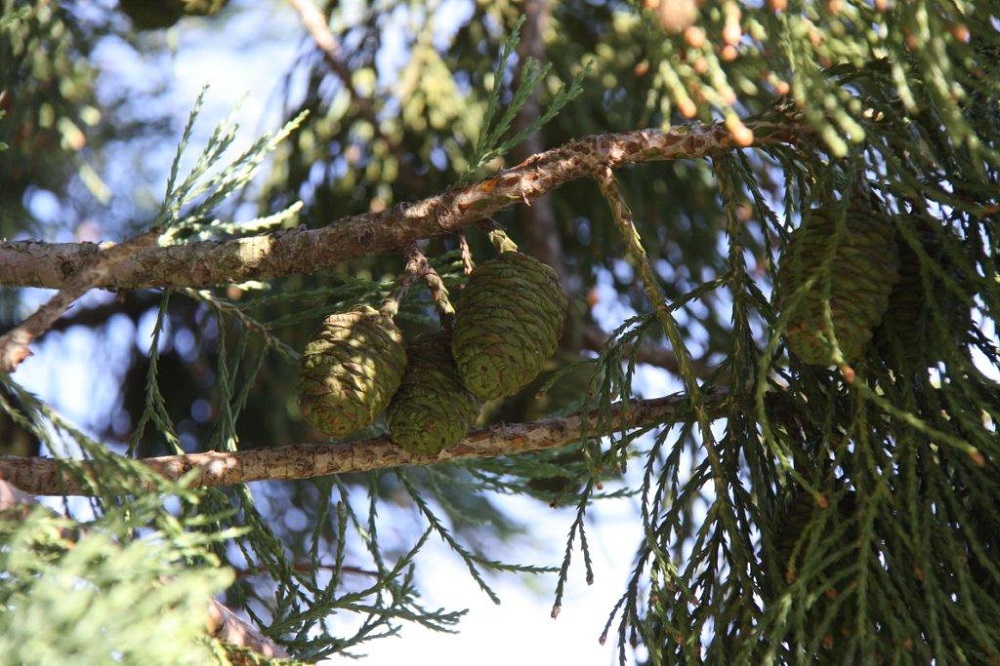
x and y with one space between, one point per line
14 343
594 339
467 263
316 25
418 266
622 215
305 251
307 567
225 625
45 476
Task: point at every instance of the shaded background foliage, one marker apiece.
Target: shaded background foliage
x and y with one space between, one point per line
887 482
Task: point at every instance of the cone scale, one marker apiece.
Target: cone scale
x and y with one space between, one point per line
432 410
508 320
860 277
350 370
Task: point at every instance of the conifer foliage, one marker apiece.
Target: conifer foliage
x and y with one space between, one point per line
790 209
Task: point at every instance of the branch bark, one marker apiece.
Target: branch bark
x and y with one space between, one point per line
306 251
99 266
46 476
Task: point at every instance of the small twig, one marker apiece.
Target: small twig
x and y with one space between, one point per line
498 237
316 25
44 476
467 261
418 266
622 215
14 343
225 625
594 339
307 567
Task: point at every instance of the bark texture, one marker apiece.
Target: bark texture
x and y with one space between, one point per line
305 251
45 476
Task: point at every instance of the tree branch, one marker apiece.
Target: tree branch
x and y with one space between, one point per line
306 251
98 268
46 476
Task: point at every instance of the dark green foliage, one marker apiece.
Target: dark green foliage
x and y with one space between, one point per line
820 534
350 370
432 410
508 321
834 283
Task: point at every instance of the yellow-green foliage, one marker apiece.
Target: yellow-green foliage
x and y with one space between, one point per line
92 595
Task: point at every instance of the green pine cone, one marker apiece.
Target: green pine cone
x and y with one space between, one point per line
798 553
350 370
861 275
160 14
909 337
432 410
508 321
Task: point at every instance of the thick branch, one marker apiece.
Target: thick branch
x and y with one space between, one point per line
45 476
305 251
14 343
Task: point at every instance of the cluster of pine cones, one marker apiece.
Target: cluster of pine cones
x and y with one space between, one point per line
870 278
508 320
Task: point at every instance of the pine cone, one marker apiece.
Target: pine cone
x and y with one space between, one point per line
861 275
508 321
799 511
909 337
350 371
160 14
431 411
